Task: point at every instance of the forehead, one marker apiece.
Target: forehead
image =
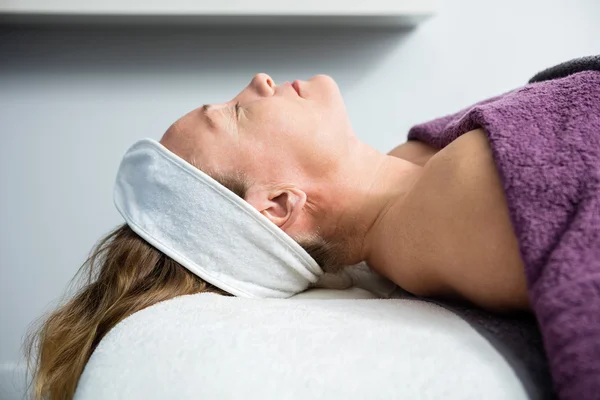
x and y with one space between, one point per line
205 144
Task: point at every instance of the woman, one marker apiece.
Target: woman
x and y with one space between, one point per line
289 151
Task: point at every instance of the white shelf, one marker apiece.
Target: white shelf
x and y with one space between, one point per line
269 12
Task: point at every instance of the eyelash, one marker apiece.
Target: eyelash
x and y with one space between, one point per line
237 109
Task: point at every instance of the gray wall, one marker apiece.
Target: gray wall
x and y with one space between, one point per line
72 100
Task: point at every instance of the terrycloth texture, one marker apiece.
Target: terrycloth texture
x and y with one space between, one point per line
360 276
591 63
518 339
207 228
211 347
545 139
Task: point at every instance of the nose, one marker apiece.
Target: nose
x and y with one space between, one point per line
263 84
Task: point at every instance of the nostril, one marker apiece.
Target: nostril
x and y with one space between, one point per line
270 83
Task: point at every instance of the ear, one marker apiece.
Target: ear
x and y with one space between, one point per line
282 206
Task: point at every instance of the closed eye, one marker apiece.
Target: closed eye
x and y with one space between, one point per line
237 110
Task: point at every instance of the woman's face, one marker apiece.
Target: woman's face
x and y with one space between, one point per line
267 131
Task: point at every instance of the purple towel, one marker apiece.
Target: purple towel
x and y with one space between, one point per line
545 140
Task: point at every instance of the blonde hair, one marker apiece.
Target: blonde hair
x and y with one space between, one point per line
123 275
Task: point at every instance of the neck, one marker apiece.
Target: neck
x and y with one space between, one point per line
368 186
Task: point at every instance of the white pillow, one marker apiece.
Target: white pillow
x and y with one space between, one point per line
211 347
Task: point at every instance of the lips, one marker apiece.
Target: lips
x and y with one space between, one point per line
296 86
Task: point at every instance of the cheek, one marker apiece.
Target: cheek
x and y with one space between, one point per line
292 133
218 158
283 122
271 143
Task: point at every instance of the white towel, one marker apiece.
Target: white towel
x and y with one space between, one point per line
357 276
209 230
212 347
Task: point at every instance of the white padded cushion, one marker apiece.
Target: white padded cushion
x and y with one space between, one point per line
212 347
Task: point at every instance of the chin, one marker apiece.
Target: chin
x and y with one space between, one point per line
326 90
324 80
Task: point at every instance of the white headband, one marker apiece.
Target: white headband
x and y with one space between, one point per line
205 227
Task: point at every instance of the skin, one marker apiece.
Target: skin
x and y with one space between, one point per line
434 222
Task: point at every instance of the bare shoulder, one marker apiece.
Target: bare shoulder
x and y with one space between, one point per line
459 205
472 143
469 160
414 151
464 175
